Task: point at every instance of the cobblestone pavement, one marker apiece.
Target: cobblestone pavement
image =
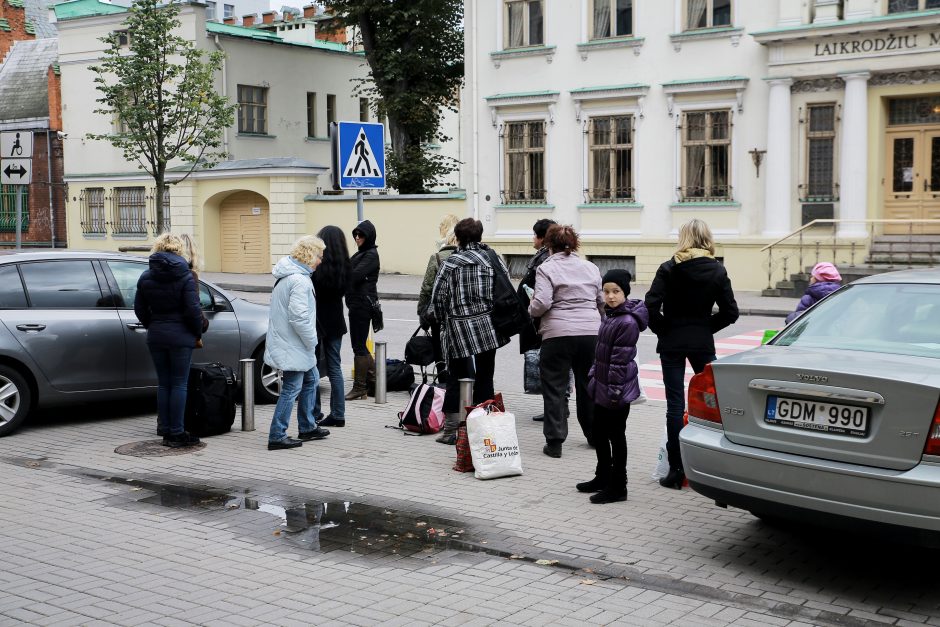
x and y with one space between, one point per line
213 536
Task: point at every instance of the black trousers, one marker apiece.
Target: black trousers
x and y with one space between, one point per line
559 356
359 323
463 368
673 365
610 444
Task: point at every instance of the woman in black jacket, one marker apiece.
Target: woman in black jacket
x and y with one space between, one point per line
330 282
167 304
680 302
362 293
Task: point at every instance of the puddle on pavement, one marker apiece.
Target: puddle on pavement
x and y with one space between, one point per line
326 526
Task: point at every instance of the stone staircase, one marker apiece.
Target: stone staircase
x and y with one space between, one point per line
887 253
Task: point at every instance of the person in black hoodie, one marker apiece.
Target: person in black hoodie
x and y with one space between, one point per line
362 293
330 282
529 339
680 302
167 304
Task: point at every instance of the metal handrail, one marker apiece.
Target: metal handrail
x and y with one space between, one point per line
799 233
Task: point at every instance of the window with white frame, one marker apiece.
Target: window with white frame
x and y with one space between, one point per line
820 152
610 158
252 109
228 10
905 6
210 10
707 14
706 156
611 18
524 151
525 23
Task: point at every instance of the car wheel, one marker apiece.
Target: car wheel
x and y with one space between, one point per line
267 380
15 400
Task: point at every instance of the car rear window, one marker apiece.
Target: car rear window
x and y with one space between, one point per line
902 319
12 295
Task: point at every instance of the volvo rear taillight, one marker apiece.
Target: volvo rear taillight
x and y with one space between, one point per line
933 436
703 400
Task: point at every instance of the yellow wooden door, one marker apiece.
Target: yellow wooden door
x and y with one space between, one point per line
913 175
931 183
245 234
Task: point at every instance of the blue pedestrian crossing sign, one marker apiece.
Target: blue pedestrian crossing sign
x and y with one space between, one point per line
360 155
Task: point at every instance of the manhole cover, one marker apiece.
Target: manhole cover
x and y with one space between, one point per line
155 448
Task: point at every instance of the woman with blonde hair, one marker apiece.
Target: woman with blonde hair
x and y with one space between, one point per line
291 343
680 302
167 304
446 246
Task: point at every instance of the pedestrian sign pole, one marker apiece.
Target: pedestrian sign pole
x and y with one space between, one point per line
358 158
16 169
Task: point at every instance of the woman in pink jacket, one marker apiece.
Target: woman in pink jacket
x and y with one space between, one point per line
568 300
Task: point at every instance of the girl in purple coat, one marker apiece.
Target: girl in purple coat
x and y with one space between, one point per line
613 384
824 281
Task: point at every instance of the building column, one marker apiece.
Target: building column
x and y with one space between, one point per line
853 167
777 201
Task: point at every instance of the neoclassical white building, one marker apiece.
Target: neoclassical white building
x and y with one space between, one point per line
626 118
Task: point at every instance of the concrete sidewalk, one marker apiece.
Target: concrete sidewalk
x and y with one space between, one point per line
407 286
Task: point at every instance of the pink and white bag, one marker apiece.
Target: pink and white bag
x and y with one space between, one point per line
425 411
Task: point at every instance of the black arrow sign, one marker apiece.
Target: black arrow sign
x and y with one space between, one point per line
10 170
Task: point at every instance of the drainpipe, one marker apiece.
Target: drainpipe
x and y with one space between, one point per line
49 177
224 94
476 117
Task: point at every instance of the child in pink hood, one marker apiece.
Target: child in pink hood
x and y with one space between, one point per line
824 281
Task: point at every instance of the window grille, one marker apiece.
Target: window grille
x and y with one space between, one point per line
610 159
612 18
706 156
129 211
524 153
524 23
159 215
920 110
93 217
820 153
252 109
8 208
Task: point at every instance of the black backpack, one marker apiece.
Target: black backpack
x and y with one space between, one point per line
508 315
210 399
399 377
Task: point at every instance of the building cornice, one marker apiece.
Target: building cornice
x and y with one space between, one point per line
499 56
544 98
609 92
799 34
611 43
737 84
733 33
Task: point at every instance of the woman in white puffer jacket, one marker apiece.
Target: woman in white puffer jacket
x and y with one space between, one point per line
291 343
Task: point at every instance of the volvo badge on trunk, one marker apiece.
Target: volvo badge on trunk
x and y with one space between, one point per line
812 378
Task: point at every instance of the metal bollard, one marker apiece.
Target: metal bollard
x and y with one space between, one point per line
380 381
466 395
248 394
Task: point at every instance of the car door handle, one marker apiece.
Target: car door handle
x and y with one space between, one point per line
135 326
31 328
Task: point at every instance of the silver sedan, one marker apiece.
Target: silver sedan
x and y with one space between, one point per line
837 420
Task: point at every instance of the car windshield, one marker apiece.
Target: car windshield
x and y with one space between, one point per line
902 319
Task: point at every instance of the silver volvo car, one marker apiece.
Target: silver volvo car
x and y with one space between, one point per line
68 332
836 420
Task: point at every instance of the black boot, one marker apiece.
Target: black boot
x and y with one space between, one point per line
609 495
594 485
553 448
674 479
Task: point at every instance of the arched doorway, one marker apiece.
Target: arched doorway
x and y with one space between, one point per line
245 233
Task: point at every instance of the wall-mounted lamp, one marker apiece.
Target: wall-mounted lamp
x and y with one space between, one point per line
757 156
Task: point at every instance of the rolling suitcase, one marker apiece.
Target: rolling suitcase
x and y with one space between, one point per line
210 399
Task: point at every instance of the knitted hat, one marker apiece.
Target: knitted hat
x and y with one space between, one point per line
621 278
825 271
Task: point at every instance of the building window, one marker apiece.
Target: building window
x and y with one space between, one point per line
610 160
130 211
524 23
228 10
707 13
612 18
905 6
123 38
706 156
160 222
252 109
363 109
8 208
525 162
311 114
210 10
93 214
330 108
820 152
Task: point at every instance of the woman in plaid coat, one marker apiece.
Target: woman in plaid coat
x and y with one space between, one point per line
462 300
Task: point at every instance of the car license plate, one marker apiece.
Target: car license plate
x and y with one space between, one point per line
817 416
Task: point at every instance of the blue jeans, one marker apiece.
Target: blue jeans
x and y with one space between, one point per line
674 379
172 366
334 373
295 384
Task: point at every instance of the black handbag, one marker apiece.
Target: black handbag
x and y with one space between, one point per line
419 350
508 315
378 322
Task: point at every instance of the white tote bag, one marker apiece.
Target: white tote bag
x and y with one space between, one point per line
494 445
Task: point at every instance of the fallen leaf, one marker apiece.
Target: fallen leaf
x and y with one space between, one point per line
546 562
589 582
588 570
277 532
136 489
516 557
